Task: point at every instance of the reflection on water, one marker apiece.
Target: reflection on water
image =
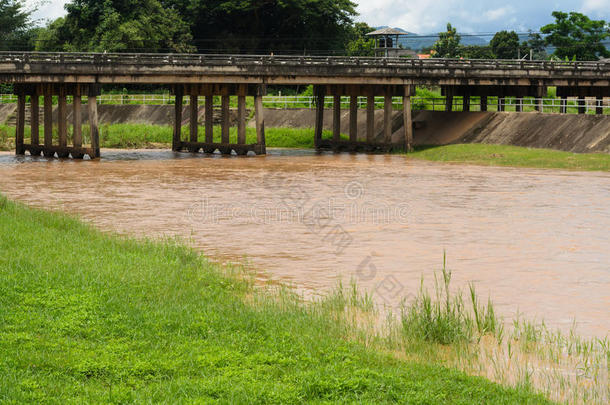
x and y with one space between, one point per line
537 241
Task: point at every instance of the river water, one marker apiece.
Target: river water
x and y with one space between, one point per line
536 241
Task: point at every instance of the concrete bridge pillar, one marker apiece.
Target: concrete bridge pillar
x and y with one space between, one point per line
62 149
466 102
320 92
387 116
483 103
336 117
407 116
353 118
370 116
225 91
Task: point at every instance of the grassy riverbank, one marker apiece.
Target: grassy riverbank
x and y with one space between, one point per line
154 136
96 318
515 156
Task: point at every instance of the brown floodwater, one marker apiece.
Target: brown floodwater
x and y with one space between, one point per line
536 241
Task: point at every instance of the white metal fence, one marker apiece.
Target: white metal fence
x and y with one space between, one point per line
545 105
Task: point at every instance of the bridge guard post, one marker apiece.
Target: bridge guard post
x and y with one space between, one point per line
35 123
319 91
177 138
93 121
260 119
599 109
407 117
20 130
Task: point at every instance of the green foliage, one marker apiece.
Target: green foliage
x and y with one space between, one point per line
117 26
537 45
505 45
575 35
448 44
476 52
89 317
515 156
360 44
15 26
265 26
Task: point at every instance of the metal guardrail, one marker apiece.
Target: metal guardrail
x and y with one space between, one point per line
547 105
147 59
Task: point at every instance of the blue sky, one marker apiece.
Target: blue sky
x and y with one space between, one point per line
430 16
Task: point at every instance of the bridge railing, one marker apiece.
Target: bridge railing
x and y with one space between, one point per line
546 105
154 60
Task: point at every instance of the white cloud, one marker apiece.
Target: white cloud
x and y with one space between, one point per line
497 13
596 6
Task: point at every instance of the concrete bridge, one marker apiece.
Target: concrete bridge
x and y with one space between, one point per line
61 74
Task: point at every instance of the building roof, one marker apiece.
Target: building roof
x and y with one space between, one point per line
387 31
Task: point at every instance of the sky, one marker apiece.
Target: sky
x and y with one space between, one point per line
431 16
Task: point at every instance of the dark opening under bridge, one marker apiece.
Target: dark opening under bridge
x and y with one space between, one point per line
82 74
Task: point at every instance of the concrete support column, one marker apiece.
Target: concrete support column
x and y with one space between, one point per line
387 117
319 92
540 91
353 119
62 122
225 121
20 130
407 118
77 122
466 102
93 124
260 120
483 103
370 117
241 115
177 138
336 117
449 102
209 118
48 121
599 108
34 122
194 118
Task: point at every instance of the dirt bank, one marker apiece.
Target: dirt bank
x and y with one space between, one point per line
574 133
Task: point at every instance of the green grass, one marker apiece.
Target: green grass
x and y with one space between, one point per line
155 136
87 317
504 155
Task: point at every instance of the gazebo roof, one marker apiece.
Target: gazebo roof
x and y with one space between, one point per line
387 31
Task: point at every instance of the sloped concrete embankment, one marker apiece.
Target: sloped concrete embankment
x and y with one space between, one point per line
574 133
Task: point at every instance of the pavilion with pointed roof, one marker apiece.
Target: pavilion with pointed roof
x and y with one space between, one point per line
386 42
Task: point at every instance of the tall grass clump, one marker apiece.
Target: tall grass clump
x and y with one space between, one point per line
443 319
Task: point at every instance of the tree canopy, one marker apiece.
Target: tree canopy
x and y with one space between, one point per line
576 36
14 25
505 45
448 44
117 25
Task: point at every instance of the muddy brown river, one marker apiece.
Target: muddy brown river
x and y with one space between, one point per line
536 241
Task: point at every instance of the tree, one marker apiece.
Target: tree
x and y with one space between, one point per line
265 26
505 45
360 44
14 25
476 52
537 45
575 36
448 44
117 26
